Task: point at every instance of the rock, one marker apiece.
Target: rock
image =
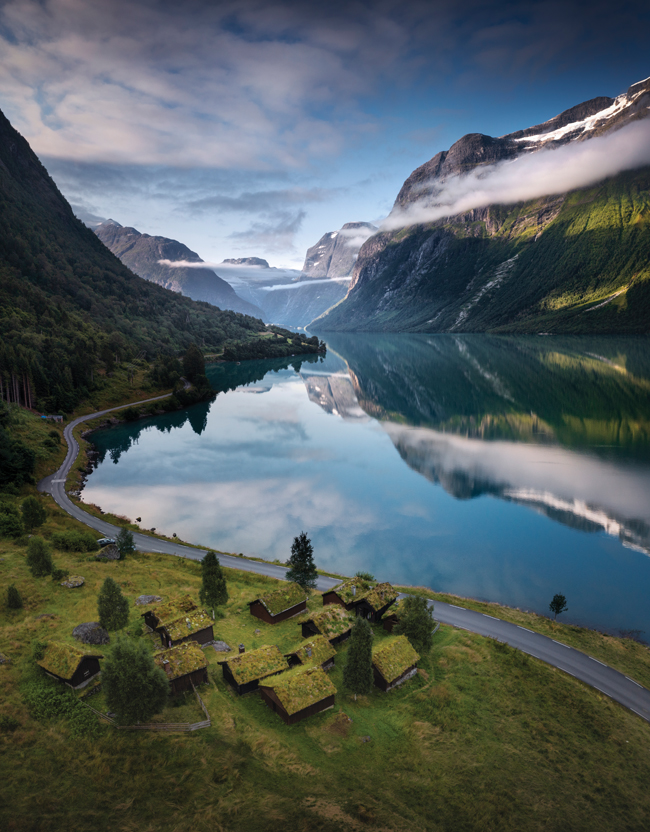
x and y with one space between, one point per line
73 581
91 633
141 600
366 739
4 659
110 552
257 632
221 647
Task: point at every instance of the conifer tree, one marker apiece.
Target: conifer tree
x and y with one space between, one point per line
14 601
125 543
39 558
193 363
135 687
302 569
357 673
33 512
416 622
213 592
112 606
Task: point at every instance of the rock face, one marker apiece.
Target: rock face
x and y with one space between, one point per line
335 253
142 253
110 552
247 261
569 262
91 633
298 304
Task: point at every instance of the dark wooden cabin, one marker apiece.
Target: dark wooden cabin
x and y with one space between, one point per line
298 694
280 604
70 664
245 671
185 665
374 603
315 652
170 610
333 622
390 618
192 626
393 662
347 594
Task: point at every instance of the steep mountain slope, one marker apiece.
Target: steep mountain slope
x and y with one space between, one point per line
335 253
142 254
568 262
67 305
297 304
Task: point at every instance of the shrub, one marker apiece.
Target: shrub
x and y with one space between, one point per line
74 541
59 574
14 601
125 543
134 686
38 649
39 559
416 622
33 512
48 699
10 525
365 576
112 606
8 723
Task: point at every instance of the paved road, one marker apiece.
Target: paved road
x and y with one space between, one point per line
605 679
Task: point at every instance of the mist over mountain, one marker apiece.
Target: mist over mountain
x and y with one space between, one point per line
335 254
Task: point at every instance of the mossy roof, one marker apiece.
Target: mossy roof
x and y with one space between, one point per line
183 659
282 599
299 688
64 659
332 621
171 610
396 609
393 657
256 664
321 651
187 624
380 595
345 590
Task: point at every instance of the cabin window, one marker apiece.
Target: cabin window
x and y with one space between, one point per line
87 673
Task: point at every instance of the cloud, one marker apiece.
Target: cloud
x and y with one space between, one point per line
541 173
303 283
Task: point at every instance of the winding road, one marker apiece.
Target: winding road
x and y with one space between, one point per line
605 679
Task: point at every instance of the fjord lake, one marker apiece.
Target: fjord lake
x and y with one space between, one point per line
505 469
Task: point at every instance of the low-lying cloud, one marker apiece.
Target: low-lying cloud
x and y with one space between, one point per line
530 176
302 284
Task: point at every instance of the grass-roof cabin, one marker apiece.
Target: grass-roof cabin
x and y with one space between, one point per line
374 603
390 619
70 664
393 662
192 626
280 604
184 665
316 651
300 693
333 622
347 594
245 671
156 616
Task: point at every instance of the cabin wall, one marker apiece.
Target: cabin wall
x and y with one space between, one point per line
332 597
183 683
87 670
382 684
204 636
309 629
390 623
276 706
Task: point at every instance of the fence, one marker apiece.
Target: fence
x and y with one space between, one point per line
170 727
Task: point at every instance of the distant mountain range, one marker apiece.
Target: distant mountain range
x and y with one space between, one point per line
575 261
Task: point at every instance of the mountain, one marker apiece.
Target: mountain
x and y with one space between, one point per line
247 261
577 261
297 304
68 305
142 254
335 253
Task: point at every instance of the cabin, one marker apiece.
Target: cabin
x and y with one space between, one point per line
390 618
299 693
192 626
333 622
347 594
393 661
156 616
314 652
280 604
185 665
374 603
70 664
245 671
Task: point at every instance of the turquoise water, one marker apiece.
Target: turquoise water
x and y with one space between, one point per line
498 468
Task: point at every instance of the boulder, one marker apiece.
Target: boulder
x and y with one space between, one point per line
141 600
91 633
221 647
73 581
110 552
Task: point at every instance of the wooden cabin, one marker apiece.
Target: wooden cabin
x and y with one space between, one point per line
299 693
312 653
394 661
280 604
245 671
192 626
70 664
347 594
374 603
333 622
156 616
390 618
184 665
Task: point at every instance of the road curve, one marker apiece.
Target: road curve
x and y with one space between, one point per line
605 679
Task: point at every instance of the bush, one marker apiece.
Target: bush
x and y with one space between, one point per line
134 686
11 525
48 699
33 512
38 649
73 541
8 723
131 414
416 622
39 559
365 576
14 601
125 543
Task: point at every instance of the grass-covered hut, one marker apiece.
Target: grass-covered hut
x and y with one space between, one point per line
374 603
245 670
192 626
314 652
299 693
280 604
348 593
333 622
170 610
70 664
393 662
184 665
390 619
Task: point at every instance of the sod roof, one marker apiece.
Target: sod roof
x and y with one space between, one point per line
346 593
299 688
64 659
393 657
183 659
256 664
332 621
395 610
172 609
321 651
282 599
380 595
187 624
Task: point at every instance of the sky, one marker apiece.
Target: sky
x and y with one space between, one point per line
251 128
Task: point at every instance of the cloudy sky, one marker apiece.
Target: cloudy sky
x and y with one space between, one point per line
252 128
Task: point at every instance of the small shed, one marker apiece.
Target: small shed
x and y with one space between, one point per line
299 693
314 652
156 616
184 665
390 618
333 622
393 662
192 626
374 603
245 671
347 594
70 664
280 604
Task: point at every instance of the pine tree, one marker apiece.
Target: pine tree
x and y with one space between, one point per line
134 686
14 601
39 558
112 606
416 623
125 543
302 569
193 363
357 673
214 591
33 512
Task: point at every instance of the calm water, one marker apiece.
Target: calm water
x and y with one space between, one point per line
505 469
